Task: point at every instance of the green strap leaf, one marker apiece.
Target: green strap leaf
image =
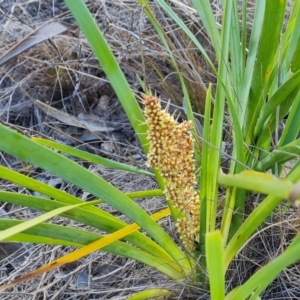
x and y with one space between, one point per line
215 265
52 234
55 163
264 276
259 214
27 224
279 156
280 95
110 66
265 61
149 294
91 157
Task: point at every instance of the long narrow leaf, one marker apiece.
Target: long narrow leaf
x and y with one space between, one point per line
281 94
85 251
206 14
88 215
204 167
55 163
292 126
52 234
263 277
25 225
279 156
292 58
149 294
91 157
264 62
214 258
251 59
217 123
260 182
184 28
257 217
110 66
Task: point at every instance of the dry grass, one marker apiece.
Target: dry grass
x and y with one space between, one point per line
63 73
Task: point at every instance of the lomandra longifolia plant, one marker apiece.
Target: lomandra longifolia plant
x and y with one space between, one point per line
257 72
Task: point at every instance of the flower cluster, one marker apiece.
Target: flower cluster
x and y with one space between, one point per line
172 152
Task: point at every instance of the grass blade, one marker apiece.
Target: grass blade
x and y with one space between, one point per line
214 262
217 122
148 294
51 234
91 157
251 58
264 276
25 225
45 158
257 217
110 66
280 96
264 63
279 156
77 254
206 14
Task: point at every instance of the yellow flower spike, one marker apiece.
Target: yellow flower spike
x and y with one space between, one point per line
172 152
